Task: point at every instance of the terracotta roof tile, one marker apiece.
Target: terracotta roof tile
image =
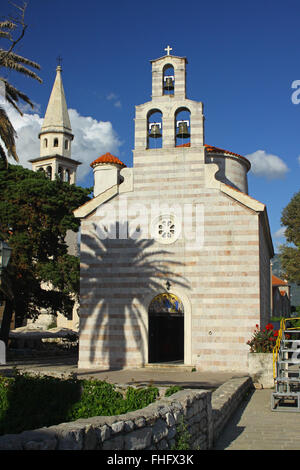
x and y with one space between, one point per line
276 281
211 148
107 158
184 145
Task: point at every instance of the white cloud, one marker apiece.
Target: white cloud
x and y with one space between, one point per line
116 102
267 165
299 159
92 138
111 96
279 233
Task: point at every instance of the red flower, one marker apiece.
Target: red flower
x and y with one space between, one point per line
269 326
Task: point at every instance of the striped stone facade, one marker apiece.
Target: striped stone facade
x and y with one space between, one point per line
218 266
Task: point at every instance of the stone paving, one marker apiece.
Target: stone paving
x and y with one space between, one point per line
164 376
255 427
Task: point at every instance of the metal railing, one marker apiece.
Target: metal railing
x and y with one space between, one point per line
276 348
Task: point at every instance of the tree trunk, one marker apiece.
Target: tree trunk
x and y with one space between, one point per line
6 321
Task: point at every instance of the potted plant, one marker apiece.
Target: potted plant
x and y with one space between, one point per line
260 357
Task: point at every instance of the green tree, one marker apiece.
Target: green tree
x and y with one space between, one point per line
11 33
290 252
35 215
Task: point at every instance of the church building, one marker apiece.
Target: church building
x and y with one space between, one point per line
175 255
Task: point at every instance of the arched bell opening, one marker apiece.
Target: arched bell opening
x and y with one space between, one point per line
166 329
60 173
154 129
67 176
168 80
49 172
182 127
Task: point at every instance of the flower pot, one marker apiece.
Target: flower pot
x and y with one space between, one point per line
260 368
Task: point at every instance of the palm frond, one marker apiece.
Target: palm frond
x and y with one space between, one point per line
9 63
11 101
13 94
19 59
5 34
8 134
7 24
3 156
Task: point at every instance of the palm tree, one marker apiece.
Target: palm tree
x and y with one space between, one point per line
9 60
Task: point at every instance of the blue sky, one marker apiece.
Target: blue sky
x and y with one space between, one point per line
242 60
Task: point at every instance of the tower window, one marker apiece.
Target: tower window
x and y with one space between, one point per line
168 80
66 144
49 172
154 124
60 173
55 142
182 127
45 142
67 176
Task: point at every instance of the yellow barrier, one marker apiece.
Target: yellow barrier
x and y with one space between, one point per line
279 338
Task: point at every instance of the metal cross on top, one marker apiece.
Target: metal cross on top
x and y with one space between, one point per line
59 60
168 49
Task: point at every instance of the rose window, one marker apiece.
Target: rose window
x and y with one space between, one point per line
165 229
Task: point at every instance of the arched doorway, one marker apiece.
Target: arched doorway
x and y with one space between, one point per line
166 329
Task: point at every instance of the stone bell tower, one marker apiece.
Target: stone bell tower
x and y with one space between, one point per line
169 119
56 137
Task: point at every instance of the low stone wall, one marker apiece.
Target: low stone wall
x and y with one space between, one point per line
225 401
152 428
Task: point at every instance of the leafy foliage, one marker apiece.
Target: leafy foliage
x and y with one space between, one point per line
35 215
11 32
263 341
290 254
30 402
183 436
173 389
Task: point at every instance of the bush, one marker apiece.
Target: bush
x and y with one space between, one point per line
183 437
263 341
173 389
30 402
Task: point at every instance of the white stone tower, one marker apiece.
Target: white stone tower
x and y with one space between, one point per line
56 137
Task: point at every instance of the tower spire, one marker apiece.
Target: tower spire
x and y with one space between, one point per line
56 137
57 116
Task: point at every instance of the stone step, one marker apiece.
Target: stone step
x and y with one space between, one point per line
287 379
170 365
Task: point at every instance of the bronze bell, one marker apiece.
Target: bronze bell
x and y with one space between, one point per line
169 84
155 131
183 132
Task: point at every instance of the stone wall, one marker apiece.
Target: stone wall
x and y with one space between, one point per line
153 428
225 401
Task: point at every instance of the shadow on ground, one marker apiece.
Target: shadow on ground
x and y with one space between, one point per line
232 430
